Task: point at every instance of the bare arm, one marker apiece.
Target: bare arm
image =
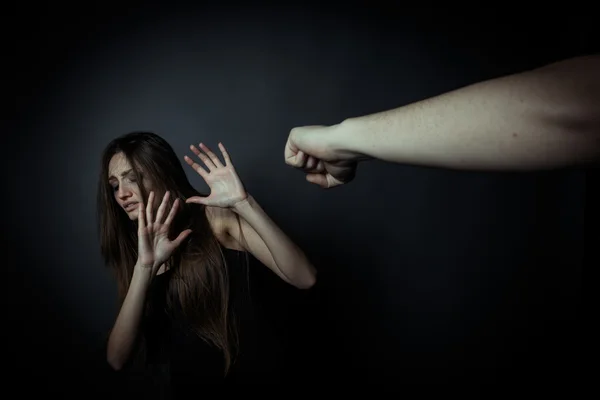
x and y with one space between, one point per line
124 334
544 118
254 231
154 248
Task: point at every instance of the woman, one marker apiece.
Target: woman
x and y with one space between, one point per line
172 251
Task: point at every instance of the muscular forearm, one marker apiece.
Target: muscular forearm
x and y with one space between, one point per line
543 118
124 334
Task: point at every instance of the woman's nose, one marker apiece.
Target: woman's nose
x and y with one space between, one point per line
123 192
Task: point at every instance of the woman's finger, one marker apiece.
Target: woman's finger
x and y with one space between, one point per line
213 156
177 241
149 210
201 171
161 209
172 213
196 200
225 155
207 161
141 222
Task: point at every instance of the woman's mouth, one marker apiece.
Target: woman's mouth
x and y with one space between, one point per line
130 206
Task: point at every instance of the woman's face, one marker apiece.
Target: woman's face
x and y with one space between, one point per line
125 187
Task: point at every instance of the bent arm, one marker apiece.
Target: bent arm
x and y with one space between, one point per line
261 236
544 118
124 333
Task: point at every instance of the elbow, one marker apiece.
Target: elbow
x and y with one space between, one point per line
114 362
571 105
580 139
115 359
308 280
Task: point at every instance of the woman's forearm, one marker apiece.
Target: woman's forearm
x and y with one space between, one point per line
290 261
124 333
544 118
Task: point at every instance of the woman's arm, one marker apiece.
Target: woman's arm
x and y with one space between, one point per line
124 333
154 248
254 231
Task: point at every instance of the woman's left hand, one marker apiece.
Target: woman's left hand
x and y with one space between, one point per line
226 188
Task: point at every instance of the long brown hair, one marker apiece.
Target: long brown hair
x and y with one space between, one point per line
199 284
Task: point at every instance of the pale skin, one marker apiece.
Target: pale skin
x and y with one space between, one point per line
263 238
546 118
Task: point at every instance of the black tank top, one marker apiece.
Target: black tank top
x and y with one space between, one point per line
177 360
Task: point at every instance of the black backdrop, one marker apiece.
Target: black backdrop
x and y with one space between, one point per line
425 275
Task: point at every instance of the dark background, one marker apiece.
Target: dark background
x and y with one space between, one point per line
425 275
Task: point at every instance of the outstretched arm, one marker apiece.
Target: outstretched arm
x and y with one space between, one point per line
544 118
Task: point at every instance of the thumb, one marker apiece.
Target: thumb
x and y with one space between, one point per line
318 179
196 200
182 236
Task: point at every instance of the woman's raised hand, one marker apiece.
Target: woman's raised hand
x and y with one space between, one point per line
154 245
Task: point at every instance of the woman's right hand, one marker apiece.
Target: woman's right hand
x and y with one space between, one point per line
154 246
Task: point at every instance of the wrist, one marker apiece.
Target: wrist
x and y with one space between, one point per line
142 275
346 140
242 205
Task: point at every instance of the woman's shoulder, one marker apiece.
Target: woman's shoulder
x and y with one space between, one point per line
217 218
220 220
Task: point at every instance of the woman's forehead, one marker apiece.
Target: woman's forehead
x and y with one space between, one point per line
117 165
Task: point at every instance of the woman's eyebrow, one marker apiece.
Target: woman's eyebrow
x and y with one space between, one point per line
122 173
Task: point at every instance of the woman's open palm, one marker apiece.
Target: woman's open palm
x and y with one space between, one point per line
154 245
226 188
